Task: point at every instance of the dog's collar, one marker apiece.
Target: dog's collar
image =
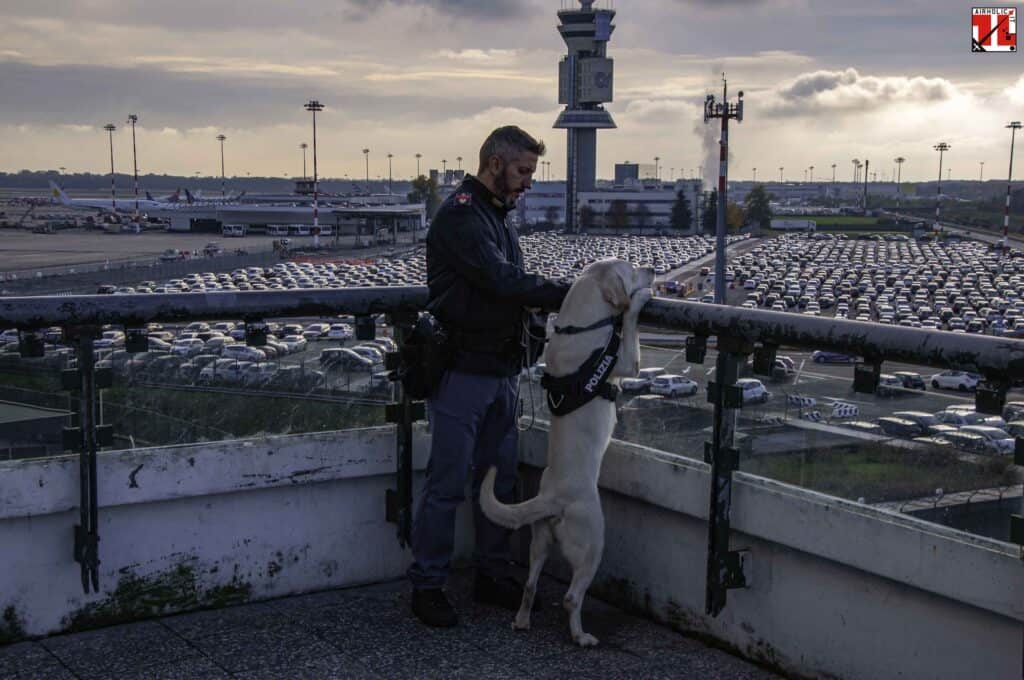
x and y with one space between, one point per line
615 321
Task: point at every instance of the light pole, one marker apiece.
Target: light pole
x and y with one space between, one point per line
221 138
389 173
805 174
366 157
1014 126
981 172
133 119
418 157
313 106
812 174
899 176
833 173
780 174
304 146
444 169
459 159
657 173
856 165
942 148
755 174
110 127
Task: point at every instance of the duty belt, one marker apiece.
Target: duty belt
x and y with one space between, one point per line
567 393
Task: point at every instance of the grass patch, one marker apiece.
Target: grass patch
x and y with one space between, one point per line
880 473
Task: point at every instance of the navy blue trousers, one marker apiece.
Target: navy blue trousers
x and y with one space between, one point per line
473 425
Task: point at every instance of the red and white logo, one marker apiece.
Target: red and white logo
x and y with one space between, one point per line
993 29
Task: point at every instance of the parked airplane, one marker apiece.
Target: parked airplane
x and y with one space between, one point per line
120 205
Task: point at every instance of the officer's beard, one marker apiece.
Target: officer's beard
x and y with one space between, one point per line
503 190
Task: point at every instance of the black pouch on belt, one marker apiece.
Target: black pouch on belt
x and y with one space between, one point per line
425 355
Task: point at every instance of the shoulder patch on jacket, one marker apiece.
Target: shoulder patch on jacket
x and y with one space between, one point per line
463 198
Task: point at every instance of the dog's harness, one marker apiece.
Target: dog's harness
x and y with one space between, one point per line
567 393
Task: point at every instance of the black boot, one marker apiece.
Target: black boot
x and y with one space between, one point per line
431 606
504 592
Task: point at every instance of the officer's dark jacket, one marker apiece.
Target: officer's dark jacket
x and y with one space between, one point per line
477 287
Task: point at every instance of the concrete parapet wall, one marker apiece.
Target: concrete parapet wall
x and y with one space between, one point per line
196 526
838 589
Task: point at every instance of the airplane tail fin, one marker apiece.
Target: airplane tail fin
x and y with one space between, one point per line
59 194
149 196
189 197
175 197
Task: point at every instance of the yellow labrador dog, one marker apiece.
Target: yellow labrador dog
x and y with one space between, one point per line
567 509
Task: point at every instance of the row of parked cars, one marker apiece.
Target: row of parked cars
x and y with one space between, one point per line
961 286
959 426
551 255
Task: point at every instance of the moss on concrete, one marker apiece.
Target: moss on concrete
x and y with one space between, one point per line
155 595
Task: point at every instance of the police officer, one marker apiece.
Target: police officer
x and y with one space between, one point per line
481 294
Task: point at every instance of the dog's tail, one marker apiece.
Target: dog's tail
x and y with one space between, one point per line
515 515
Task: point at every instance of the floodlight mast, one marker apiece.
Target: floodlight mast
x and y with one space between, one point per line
313 106
223 192
941 147
1013 127
110 127
304 146
135 165
900 160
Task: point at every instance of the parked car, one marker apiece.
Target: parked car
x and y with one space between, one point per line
339 331
1015 428
217 344
823 357
188 348
911 380
754 391
673 386
923 419
889 385
295 343
344 358
259 373
900 427
215 372
967 441
997 438
642 382
956 380
315 330
242 353
1013 410
369 352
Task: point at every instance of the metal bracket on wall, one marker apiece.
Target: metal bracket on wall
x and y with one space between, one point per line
724 567
86 439
403 412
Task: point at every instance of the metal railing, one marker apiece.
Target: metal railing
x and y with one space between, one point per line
740 333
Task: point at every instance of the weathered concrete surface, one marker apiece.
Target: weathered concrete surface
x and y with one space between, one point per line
838 589
191 526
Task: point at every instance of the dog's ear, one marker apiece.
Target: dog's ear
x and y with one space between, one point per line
613 289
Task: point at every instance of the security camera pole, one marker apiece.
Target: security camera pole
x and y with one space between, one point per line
724 567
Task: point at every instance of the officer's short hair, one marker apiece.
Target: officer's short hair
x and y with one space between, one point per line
508 141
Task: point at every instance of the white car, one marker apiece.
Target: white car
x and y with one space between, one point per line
673 386
188 347
295 343
241 352
956 380
642 381
997 439
340 331
754 391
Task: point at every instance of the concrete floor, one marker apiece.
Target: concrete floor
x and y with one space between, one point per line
369 632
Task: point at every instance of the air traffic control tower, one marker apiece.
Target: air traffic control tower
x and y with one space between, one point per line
584 83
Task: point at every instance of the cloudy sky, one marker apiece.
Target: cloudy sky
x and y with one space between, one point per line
825 81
